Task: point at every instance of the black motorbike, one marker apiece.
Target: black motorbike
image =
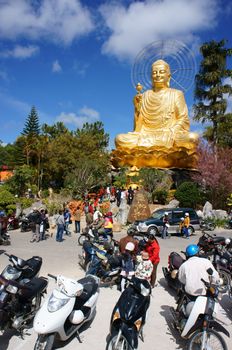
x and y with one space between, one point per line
89 233
19 301
129 315
20 269
25 224
175 260
206 225
208 243
228 224
101 261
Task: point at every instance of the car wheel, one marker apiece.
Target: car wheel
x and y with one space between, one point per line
153 230
191 230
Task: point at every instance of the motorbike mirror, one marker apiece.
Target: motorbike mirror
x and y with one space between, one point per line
210 271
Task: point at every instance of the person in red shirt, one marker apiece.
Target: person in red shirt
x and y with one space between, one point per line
152 248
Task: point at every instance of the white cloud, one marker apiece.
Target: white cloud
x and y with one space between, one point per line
20 51
60 21
84 115
141 23
227 97
56 67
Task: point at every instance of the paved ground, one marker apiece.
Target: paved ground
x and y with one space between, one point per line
62 258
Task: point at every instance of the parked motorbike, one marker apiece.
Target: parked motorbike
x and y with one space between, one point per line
228 224
207 243
71 304
25 224
92 235
222 261
206 225
129 315
100 260
20 269
4 236
175 260
13 223
198 321
19 301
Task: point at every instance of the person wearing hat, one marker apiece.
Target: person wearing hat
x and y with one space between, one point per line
144 268
128 267
152 248
186 226
181 226
35 219
165 226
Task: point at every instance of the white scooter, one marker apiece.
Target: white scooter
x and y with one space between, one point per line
200 321
70 305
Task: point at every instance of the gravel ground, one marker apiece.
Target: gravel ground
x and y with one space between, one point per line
62 258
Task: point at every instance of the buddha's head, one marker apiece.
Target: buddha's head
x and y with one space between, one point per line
160 74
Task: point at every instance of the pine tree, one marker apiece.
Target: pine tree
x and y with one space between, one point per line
32 127
210 88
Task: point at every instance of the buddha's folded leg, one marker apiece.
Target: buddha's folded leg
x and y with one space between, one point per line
127 141
187 140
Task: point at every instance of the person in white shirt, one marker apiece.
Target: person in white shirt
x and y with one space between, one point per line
193 270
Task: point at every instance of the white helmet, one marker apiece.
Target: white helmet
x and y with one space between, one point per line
182 219
166 213
130 246
227 241
186 214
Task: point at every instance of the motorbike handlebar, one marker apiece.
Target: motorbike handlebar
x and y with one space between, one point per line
52 276
7 255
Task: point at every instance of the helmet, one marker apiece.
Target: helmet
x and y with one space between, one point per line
166 213
174 273
182 219
186 214
227 241
130 246
191 250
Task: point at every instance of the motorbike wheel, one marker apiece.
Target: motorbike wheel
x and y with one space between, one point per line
122 343
81 239
211 226
225 286
214 341
45 342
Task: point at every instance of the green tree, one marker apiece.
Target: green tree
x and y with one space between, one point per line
188 194
211 87
32 126
23 178
155 180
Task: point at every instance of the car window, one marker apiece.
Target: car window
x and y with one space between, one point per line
157 214
192 214
177 214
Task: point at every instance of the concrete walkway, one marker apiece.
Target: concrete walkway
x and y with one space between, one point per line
62 258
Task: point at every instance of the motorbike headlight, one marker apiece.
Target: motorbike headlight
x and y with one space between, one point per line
55 304
116 315
11 273
12 289
144 291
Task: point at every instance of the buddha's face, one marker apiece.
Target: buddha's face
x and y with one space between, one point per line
160 75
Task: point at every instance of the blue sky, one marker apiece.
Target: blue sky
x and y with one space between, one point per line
72 59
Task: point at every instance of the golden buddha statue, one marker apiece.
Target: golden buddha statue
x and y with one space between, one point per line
161 136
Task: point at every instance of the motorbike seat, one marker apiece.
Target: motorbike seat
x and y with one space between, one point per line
218 239
32 266
33 287
90 286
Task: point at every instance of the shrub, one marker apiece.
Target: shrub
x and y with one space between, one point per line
6 199
188 194
161 196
